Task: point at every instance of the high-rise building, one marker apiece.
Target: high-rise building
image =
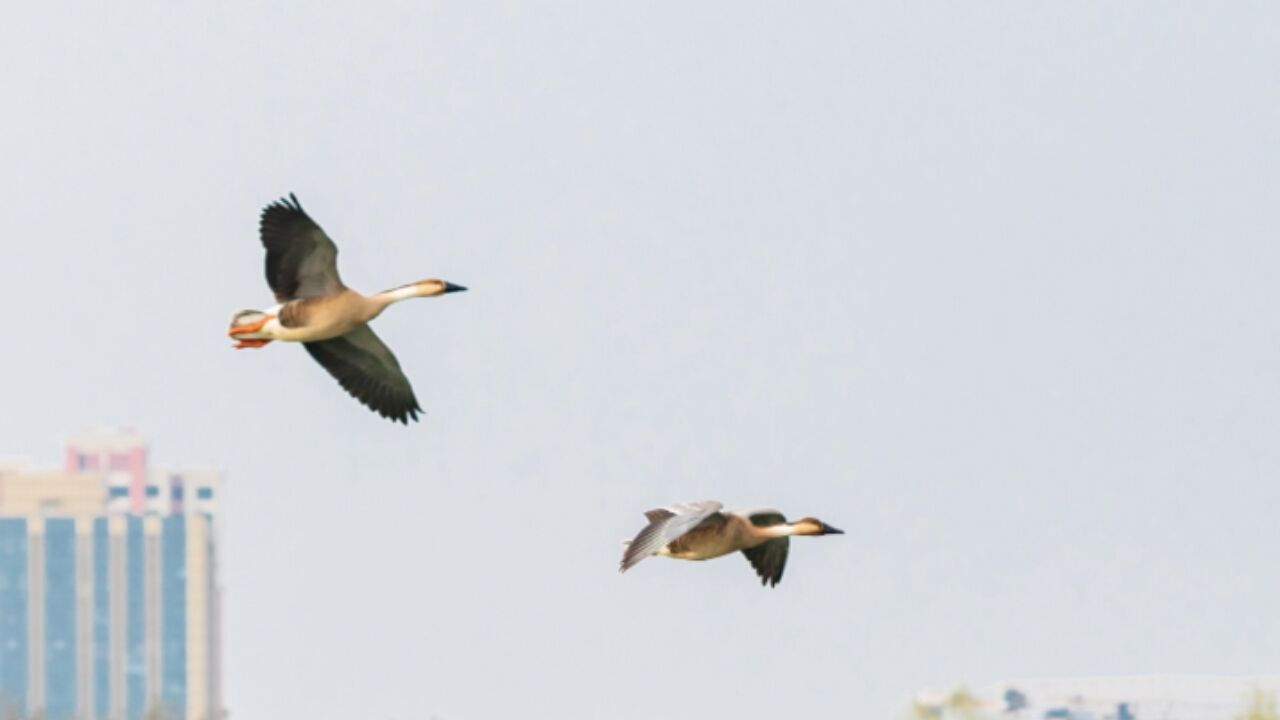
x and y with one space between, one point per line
109 594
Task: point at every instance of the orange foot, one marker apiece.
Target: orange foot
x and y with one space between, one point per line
251 327
241 344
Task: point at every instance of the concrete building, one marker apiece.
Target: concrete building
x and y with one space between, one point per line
1140 697
109 595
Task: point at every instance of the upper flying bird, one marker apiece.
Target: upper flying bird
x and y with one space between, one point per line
700 531
328 318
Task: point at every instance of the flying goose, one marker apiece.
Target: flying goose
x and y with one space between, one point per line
328 318
700 531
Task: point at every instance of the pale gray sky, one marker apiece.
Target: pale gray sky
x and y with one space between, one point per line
991 286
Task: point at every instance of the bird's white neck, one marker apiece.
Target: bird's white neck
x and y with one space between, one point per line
777 531
386 298
404 292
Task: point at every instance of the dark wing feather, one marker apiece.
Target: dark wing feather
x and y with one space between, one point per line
366 369
302 261
764 517
768 558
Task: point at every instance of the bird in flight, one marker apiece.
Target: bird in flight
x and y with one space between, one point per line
328 318
702 531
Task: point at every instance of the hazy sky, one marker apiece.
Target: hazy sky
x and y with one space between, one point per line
993 287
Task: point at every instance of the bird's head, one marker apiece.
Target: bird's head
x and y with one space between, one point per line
432 287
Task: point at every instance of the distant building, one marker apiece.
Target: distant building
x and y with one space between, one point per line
109 595
1153 697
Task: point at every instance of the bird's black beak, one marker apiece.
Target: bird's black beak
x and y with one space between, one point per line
450 287
828 530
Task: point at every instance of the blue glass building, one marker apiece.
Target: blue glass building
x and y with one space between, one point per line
13 616
173 612
101 619
60 619
108 599
135 649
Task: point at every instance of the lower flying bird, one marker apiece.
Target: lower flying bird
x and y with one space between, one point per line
700 531
328 318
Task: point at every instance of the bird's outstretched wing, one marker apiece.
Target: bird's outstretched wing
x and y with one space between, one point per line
665 525
302 261
770 557
366 369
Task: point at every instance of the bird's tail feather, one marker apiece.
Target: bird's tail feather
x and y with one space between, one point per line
246 317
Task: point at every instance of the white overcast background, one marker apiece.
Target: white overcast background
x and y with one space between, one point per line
991 286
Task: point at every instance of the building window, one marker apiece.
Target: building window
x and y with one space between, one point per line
204 493
117 491
153 491
176 492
